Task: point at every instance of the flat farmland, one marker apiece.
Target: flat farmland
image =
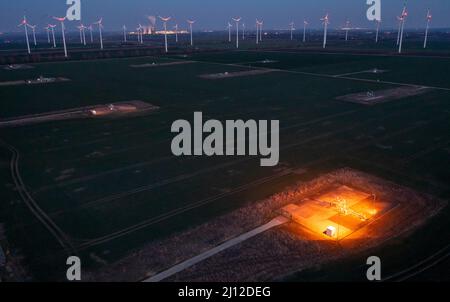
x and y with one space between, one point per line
112 185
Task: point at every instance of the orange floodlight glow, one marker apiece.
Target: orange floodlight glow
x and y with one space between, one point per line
335 214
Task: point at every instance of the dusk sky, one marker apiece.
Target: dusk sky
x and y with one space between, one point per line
214 14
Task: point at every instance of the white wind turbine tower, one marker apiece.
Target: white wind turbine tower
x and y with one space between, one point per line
63 30
378 30
124 28
237 20
347 28
191 22
292 30
100 26
165 20
243 31
326 21
402 20
399 29
24 23
259 25
90 33
305 23
400 24
52 28
429 18
257 32
229 31
176 32
140 31
82 34
33 29
48 34
261 30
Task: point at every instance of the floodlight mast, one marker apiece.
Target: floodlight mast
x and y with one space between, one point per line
165 20
237 20
191 23
326 21
429 18
63 30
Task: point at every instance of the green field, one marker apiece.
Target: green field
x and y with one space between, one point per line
112 185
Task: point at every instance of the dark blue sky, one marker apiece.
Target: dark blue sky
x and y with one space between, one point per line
214 14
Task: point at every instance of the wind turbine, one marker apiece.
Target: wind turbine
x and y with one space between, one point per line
176 33
52 28
347 28
90 32
124 28
259 25
100 26
142 33
326 21
429 18
399 29
292 30
82 34
140 30
378 30
191 22
257 31
243 31
24 23
237 20
48 34
229 31
402 22
33 29
305 23
165 20
261 30
63 30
